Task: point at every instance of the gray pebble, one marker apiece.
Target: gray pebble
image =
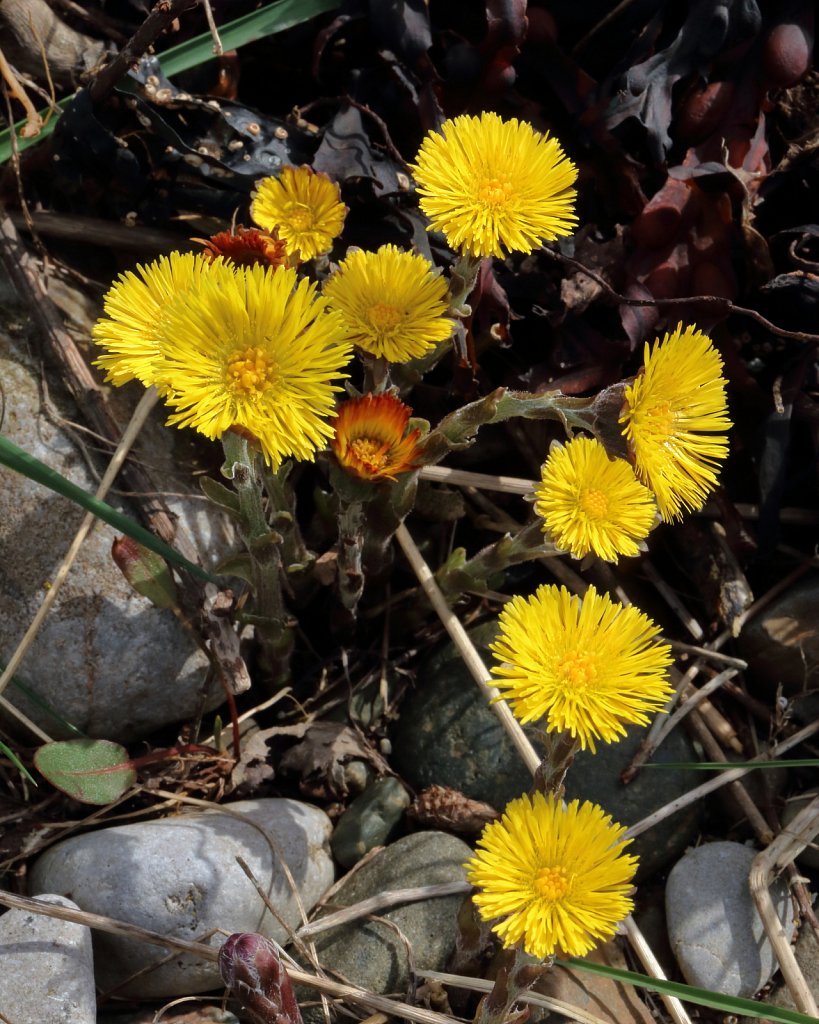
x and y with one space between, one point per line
713 924
47 973
369 821
179 876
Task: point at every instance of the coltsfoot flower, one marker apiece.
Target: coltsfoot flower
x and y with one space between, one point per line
675 420
556 879
494 186
254 349
393 302
245 247
134 307
371 439
587 668
591 503
304 206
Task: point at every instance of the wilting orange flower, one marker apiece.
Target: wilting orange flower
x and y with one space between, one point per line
371 439
246 247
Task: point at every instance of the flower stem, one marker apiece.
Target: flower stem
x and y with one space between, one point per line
516 976
264 547
350 544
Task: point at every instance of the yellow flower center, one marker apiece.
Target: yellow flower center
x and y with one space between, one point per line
248 371
594 503
552 883
579 671
299 216
371 452
384 317
495 191
661 419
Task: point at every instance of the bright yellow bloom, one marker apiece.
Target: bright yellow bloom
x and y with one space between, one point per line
253 349
134 307
392 302
492 185
589 502
304 206
588 668
556 877
371 441
675 420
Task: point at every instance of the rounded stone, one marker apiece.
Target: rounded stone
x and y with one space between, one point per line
715 930
449 736
369 821
179 876
105 659
374 955
596 777
48 968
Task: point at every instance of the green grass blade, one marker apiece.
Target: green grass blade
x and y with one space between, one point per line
276 17
691 994
15 760
21 462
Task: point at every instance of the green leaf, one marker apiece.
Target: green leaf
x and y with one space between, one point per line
18 764
691 994
21 462
221 496
147 573
91 771
276 17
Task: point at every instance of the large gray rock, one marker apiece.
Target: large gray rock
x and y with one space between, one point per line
179 877
713 924
105 658
449 736
47 971
596 777
781 644
371 954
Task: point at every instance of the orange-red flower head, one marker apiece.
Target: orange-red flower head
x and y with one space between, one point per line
246 247
371 439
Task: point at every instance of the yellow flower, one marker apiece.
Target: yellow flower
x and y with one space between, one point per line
254 350
371 440
392 302
589 502
492 185
589 669
675 420
556 877
304 206
134 307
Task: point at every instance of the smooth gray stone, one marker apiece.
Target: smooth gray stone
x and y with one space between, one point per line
179 876
371 954
47 968
449 736
781 644
105 658
369 820
596 777
715 931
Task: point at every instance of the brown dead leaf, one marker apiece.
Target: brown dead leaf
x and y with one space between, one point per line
320 758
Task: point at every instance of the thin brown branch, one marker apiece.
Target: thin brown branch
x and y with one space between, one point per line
716 302
148 32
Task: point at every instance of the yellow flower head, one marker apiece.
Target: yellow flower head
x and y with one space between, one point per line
675 420
134 306
392 302
492 185
589 502
371 439
253 349
304 206
556 877
588 668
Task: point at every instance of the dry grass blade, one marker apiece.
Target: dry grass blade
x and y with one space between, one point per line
781 852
